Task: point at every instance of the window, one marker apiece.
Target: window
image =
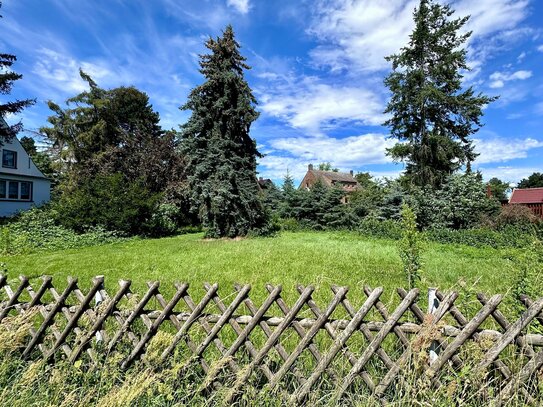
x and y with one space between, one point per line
9 159
26 193
15 190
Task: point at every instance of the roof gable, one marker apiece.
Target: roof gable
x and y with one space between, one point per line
526 196
25 165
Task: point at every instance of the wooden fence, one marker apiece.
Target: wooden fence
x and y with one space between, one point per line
298 347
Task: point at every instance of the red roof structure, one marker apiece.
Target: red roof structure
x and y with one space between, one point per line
527 196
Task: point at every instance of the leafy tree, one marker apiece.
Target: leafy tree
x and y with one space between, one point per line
431 116
220 153
498 188
7 78
292 199
368 198
327 166
107 134
533 181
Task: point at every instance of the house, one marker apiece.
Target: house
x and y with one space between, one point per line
265 183
345 180
530 197
22 185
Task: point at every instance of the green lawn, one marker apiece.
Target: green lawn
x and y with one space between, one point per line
320 258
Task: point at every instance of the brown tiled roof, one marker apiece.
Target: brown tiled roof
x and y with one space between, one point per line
526 196
335 176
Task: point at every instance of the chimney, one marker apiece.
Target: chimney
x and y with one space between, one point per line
310 167
352 173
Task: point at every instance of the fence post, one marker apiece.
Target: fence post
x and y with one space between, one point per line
98 299
433 305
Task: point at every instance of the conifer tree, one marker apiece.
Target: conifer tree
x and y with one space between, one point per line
7 77
431 116
221 155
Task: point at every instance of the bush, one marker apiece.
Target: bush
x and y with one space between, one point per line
386 229
509 236
516 215
109 202
36 230
290 224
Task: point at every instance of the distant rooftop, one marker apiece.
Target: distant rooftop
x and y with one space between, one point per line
526 196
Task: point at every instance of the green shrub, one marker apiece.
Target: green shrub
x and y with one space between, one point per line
290 224
509 236
36 230
387 229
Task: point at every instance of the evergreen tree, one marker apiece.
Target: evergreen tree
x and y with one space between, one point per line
431 116
7 78
221 155
292 199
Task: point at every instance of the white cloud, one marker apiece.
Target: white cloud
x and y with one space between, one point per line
348 152
498 79
62 71
354 38
540 48
241 6
500 150
508 174
309 104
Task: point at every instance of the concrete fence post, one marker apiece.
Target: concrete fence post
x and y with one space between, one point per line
433 304
98 299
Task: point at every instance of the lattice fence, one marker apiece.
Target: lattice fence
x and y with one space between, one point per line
298 348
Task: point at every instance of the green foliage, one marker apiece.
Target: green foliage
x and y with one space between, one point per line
221 155
509 236
529 281
498 188
36 230
431 116
535 180
384 229
460 203
108 201
327 166
410 247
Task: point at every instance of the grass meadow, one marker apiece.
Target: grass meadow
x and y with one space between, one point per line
319 258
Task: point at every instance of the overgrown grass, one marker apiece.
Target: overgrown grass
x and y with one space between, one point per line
320 258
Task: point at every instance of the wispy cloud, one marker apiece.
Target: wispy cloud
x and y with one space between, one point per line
310 104
242 6
494 150
498 79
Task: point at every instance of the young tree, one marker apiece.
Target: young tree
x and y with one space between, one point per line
7 78
221 155
533 181
431 116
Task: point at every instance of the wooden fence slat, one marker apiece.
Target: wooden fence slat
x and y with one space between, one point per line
308 337
467 332
243 335
152 331
125 325
75 317
13 300
257 360
374 345
300 394
72 282
194 315
112 303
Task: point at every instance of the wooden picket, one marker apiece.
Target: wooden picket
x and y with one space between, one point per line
367 344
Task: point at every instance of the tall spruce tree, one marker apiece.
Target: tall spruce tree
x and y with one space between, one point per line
431 116
221 155
7 78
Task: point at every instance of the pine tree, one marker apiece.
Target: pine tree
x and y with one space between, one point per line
7 77
432 117
221 155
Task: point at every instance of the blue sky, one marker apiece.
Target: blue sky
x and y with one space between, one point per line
318 69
